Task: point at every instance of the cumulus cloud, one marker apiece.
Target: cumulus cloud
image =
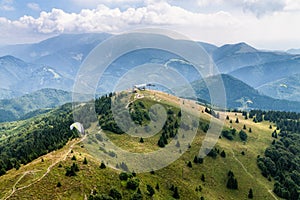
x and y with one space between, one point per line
229 24
105 19
34 6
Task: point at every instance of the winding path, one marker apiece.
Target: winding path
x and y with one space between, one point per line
249 174
245 169
63 158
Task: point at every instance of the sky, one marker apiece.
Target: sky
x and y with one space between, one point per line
264 24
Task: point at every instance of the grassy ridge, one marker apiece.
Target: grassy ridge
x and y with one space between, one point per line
91 177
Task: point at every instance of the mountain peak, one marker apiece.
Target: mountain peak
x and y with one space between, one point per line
10 57
244 48
241 47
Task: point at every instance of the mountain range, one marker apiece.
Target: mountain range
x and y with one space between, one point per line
32 104
242 96
53 63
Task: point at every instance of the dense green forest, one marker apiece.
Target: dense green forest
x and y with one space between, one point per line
38 137
140 114
281 160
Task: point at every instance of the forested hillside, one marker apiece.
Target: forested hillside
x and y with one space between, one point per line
21 143
281 160
32 104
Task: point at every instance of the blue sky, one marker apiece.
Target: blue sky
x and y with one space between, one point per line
266 24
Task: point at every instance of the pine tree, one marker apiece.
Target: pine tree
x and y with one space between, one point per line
73 157
157 187
115 194
202 178
190 164
141 140
102 165
237 120
227 117
133 174
223 154
85 162
231 182
58 184
244 127
196 159
176 194
150 190
161 142
250 195
179 114
250 130
139 191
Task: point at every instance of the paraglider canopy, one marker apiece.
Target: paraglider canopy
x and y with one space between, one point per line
78 126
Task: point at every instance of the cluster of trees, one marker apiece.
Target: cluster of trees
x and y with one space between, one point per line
243 135
170 128
132 184
282 162
175 191
71 171
212 112
39 137
139 113
106 119
229 134
114 194
282 159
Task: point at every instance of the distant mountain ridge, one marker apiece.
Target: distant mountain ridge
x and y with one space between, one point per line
19 77
285 88
232 57
242 96
258 75
53 63
32 104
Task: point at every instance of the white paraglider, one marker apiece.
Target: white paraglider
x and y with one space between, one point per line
78 126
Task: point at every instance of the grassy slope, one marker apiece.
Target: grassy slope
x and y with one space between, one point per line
187 179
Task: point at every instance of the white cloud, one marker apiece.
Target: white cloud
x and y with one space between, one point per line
94 3
278 28
7 5
34 6
105 19
205 3
292 5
